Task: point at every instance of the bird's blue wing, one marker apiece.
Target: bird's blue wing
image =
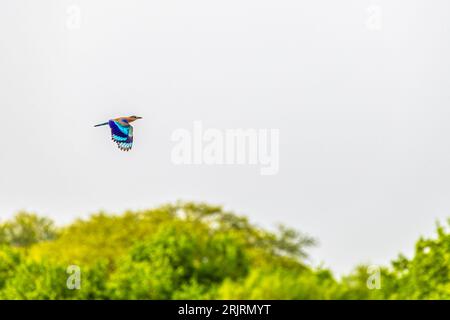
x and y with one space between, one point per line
122 135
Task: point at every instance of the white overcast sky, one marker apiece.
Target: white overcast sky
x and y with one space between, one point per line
361 101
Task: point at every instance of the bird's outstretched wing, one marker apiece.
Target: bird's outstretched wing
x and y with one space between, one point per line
122 135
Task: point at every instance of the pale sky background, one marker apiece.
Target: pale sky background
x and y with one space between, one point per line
363 113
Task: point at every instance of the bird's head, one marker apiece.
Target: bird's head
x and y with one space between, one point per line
133 118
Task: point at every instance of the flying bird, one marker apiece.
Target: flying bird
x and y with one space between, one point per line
121 131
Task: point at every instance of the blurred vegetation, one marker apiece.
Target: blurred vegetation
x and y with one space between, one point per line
196 251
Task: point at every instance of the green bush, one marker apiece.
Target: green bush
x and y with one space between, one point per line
195 251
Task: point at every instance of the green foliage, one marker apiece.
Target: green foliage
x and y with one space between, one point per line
45 280
277 284
195 251
427 275
179 253
26 229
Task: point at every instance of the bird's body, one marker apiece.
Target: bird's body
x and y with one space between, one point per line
121 131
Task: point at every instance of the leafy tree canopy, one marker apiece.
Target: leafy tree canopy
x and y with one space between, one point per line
195 251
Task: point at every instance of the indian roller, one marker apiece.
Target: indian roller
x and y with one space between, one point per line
121 131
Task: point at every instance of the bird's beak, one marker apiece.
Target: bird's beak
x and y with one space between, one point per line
139 117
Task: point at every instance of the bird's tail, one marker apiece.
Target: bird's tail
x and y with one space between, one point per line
101 124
